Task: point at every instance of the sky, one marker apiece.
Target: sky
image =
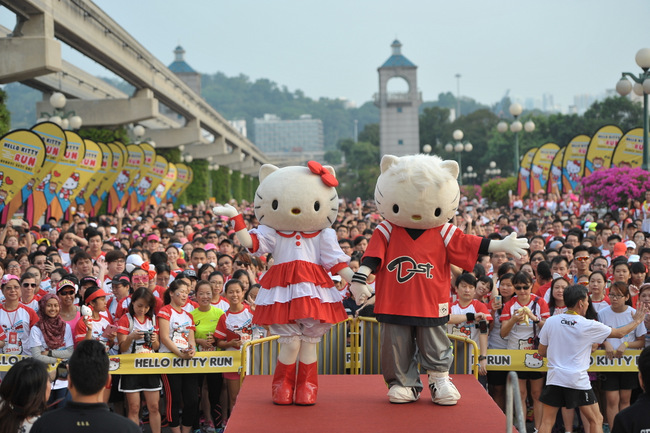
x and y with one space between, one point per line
333 48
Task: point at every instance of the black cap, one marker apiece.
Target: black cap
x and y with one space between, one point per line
188 273
121 279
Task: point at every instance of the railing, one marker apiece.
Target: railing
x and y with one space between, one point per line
513 401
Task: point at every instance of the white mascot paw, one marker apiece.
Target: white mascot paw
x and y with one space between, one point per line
514 246
226 210
361 292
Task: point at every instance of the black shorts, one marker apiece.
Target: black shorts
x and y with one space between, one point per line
497 378
559 396
619 380
530 375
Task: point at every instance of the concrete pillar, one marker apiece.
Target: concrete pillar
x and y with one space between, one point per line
32 51
173 137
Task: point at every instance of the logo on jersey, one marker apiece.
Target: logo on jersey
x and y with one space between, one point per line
407 268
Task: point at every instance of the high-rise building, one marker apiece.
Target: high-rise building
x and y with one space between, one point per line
399 127
277 137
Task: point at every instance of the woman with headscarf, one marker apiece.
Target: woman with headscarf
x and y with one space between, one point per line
52 342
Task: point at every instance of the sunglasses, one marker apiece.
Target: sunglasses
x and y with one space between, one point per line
66 293
582 259
142 279
583 283
240 263
522 287
26 285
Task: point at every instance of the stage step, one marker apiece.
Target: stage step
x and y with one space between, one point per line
358 403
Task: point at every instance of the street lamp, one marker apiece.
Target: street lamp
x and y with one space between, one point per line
459 147
641 87
427 149
470 175
66 120
493 170
516 127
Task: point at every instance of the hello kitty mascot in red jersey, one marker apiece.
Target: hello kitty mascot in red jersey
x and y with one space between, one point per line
410 253
296 207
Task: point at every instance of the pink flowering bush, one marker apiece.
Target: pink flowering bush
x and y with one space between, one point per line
496 190
471 192
615 187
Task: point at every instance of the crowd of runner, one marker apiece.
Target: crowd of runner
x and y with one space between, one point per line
176 280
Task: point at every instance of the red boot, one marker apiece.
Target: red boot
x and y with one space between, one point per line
284 382
307 384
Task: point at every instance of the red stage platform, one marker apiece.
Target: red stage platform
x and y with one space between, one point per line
359 404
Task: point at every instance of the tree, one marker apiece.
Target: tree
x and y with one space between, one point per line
618 110
370 134
5 116
435 128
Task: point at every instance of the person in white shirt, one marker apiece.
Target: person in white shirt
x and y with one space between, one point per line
566 341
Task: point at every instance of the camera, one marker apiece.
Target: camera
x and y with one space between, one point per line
147 337
482 326
62 370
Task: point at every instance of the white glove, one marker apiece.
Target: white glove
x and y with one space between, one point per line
227 210
510 245
361 292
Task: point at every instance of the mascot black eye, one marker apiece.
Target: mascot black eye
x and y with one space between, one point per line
274 205
316 206
395 208
438 212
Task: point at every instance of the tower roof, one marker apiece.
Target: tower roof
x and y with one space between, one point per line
179 65
397 59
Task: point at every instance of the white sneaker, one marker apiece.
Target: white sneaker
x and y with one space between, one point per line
402 394
443 392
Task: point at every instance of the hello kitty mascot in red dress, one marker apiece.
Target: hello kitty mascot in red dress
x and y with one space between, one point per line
410 253
296 207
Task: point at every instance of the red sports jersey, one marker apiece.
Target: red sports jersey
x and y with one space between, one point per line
413 279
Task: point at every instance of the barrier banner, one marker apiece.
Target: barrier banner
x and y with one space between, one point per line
524 360
52 183
118 150
554 184
55 144
77 181
142 179
573 164
227 361
523 179
601 148
93 184
22 154
119 194
629 150
541 165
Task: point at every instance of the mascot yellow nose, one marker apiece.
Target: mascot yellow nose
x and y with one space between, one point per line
416 217
295 211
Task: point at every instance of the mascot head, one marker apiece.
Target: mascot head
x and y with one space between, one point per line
297 198
417 191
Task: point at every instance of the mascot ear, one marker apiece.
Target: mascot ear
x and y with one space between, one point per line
330 169
388 161
451 166
265 170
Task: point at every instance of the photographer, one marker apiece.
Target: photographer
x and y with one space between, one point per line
51 342
88 376
566 340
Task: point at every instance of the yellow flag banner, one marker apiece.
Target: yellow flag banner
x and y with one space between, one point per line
601 148
158 173
523 179
119 160
554 184
22 154
119 194
188 182
93 185
55 143
167 182
524 360
629 150
142 179
182 177
573 165
227 361
541 165
77 181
